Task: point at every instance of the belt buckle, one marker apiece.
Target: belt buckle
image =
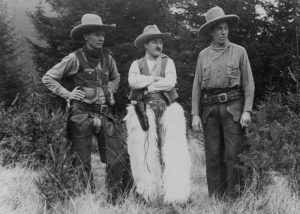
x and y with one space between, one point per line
222 97
104 109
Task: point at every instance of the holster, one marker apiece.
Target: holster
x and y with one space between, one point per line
140 109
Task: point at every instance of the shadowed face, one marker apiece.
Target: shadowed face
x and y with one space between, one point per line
94 40
154 47
219 33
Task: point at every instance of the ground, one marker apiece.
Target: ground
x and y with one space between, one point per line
19 196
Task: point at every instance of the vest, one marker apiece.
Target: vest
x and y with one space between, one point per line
92 80
137 94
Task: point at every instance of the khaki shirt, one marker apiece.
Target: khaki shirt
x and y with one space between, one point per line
223 68
69 66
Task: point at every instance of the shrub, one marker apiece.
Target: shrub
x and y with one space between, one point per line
274 147
28 133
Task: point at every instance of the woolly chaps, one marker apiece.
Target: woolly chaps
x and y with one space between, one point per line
153 180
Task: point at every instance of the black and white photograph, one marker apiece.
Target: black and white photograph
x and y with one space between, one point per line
149 107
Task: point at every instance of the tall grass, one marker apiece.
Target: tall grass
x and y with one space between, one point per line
19 196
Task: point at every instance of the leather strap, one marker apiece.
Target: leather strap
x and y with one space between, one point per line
153 96
221 98
97 108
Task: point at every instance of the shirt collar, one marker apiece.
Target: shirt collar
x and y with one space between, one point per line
219 51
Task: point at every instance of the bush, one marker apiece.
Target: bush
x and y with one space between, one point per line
35 137
274 147
29 131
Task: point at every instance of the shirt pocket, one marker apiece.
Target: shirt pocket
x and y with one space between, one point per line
206 75
89 74
233 75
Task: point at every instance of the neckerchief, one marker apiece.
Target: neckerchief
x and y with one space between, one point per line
219 51
94 57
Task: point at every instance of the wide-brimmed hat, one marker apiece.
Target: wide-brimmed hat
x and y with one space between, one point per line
214 16
150 32
90 23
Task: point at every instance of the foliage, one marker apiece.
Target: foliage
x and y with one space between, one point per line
130 16
274 147
35 137
11 83
28 131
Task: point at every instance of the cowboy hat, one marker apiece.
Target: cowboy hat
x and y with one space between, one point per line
214 16
90 23
150 32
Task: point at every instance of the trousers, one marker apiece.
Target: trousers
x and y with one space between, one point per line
111 146
224 141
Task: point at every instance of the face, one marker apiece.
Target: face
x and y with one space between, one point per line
219 33
154 47
95 39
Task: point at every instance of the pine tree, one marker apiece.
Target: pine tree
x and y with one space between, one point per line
10 73
130 16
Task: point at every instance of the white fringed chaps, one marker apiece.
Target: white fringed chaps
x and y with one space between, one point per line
174 183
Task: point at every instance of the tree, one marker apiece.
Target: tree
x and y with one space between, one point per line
10 73
267 39
130 16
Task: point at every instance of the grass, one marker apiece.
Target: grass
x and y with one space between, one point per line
18 195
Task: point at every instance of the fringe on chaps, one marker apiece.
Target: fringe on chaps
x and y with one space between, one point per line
152 181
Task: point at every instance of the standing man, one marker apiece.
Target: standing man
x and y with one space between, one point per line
157 143
93 71
223 93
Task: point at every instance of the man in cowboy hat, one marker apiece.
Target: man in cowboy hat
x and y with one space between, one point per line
223 93
93 71
157 143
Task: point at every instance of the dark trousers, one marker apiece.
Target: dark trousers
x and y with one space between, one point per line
223 143
111 148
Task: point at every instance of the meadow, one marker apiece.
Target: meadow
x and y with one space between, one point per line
19 195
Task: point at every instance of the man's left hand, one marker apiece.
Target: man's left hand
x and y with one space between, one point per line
111 99
245 119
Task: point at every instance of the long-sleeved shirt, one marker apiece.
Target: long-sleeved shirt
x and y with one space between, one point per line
69 66
137 80
223 68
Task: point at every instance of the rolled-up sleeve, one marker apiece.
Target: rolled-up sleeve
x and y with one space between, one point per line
196 93
68 66
247 81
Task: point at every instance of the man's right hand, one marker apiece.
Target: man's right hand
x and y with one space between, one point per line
196 123
76 94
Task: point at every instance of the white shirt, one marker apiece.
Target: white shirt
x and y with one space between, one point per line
137 80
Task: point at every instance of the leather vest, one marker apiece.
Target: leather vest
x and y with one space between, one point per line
137 94
92 80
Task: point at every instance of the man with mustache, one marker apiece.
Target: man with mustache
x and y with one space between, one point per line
92 69
223 94
157 143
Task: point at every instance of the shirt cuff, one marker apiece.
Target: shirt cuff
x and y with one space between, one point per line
194 113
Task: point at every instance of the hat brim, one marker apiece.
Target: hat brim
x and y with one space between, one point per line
141 39
78 31
232 20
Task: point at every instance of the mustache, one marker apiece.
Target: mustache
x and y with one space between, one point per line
158 49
